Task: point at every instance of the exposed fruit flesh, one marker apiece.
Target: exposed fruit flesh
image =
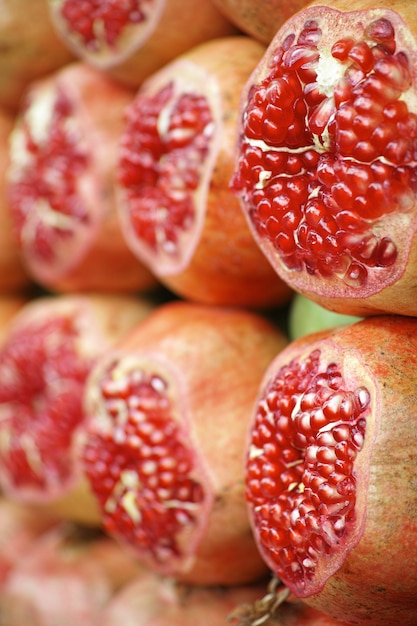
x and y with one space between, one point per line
40 404
166 151
327 170
49 158
142 468
309 428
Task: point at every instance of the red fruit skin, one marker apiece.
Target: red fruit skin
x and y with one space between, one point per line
20 527
69 237
172 28
10 304
260 20
216 260
296 613
211 360
30 48
69 333
65 578
395 293
153 601
366 583
13 276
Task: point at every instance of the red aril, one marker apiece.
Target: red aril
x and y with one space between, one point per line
13 276
66 578
178 214
50 347
326 169
164 445
330 471
61 184
132 39
153 601
30 48
20 526
260 20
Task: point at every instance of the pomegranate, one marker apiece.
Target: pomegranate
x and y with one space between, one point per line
10 304
61 184
66 578
20 526
132 39
166 426
330 472
13 276
260 20
178 214
50 348
325 166
30 48
306 316
153 601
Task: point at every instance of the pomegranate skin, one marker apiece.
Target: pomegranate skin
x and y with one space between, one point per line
260 20
201 248
60 184
49 347
355 572
13 276
348 241
147 45
167 412
30 48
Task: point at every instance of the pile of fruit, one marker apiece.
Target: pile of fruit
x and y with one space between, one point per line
208 313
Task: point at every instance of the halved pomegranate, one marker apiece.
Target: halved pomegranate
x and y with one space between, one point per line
177 212
167 414
50 347
61 184
134 38
331 468
326 166
30 48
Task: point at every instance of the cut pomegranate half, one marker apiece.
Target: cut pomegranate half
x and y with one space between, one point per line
132 39
61 184
178 215
165 439
50 348
330 470
326 167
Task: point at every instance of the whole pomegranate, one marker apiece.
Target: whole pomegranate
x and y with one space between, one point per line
51 344
132 39
326 169
63 151
330 470
167 418
66 578
30 48
260 20
304 316
178 214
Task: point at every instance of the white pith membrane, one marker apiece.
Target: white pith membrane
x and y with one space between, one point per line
55 211
308 466
144 16
140 462
50 350
343 273
180 174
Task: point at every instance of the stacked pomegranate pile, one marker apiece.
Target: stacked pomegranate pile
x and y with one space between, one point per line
208 318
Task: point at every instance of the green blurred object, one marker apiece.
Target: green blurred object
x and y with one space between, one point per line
306 316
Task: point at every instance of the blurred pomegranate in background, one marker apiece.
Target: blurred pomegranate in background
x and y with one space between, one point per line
60 180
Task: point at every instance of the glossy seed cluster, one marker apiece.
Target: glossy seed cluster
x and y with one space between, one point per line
329 148
301 482
141 468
